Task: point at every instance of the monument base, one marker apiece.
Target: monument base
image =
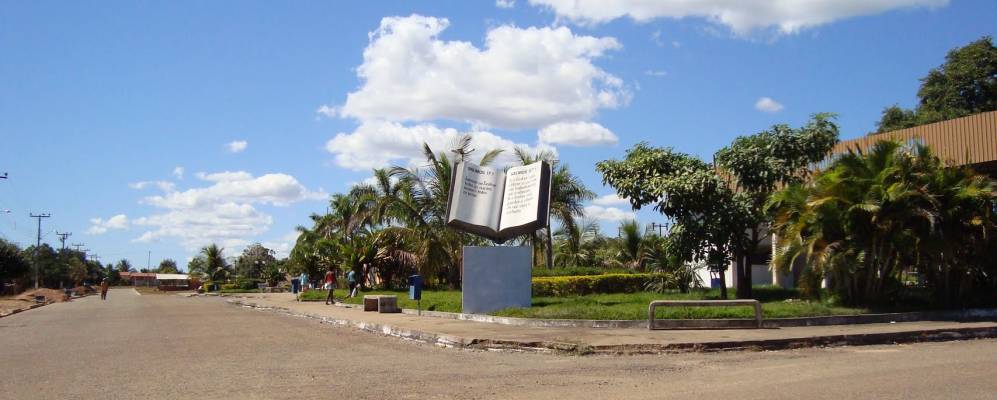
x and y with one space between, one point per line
496 277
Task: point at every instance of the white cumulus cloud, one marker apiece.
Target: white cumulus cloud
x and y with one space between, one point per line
165 186
237 146
505 3
521 78
608 213
376 144
610 200
766 104
178 172
223 212
577 134
741 16
100 226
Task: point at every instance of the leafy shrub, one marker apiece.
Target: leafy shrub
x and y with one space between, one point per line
246 284
591 284
576 271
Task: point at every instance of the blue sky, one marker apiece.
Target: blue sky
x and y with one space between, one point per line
120 118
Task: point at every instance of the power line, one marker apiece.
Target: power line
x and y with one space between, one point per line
38 243
78 245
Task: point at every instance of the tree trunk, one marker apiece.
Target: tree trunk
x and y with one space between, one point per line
723 284
743 277
550 248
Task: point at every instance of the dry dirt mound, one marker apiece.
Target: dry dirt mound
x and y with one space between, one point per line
50 295
81 290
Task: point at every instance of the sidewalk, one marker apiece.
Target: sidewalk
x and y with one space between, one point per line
469 334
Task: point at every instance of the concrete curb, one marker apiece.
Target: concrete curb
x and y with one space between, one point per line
975 314
450 341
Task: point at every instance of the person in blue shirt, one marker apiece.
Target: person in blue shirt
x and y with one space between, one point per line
303 281
351 278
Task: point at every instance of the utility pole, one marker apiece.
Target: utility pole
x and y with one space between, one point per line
148 261
39 242
659 227
78 245
62 237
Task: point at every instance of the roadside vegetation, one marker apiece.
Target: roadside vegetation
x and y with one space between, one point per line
776 303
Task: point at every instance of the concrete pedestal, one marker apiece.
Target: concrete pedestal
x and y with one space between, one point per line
496 277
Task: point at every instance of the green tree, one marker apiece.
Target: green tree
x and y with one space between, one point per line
718 210
756 166
630 245
965 84
421 218
51 269
124 266
254 259
701 205
870 216
77 271
215 267
573 244
567 196
168 266
13 265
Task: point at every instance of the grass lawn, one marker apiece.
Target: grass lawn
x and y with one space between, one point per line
776 303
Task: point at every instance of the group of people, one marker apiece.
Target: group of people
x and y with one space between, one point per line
301 284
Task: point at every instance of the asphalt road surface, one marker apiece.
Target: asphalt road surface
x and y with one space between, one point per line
170 347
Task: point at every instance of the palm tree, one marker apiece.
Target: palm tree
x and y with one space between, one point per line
567 195
216 268
420 211
873 214
569 244
630 245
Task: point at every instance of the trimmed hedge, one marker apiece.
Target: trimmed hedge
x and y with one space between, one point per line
560 286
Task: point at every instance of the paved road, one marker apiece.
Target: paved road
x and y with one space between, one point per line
159 346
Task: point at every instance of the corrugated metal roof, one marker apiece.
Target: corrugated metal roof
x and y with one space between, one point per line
172 277
966 140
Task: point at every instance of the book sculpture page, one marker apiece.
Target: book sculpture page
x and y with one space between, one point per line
499 204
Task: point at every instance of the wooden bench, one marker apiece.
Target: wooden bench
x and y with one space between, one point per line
381 303
757 323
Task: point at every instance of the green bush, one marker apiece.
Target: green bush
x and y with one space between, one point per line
576 271
560 286
244 284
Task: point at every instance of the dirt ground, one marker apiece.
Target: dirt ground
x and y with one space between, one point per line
9 304
24 300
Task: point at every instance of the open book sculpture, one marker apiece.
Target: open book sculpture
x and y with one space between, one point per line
497 204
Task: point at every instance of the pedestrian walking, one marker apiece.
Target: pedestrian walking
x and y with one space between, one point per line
351 278
103 289
295 286
304 283
330 285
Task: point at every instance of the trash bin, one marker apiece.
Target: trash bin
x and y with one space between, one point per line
415 287
714 283
295 285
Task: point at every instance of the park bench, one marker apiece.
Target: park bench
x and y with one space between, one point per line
381 303
653 324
